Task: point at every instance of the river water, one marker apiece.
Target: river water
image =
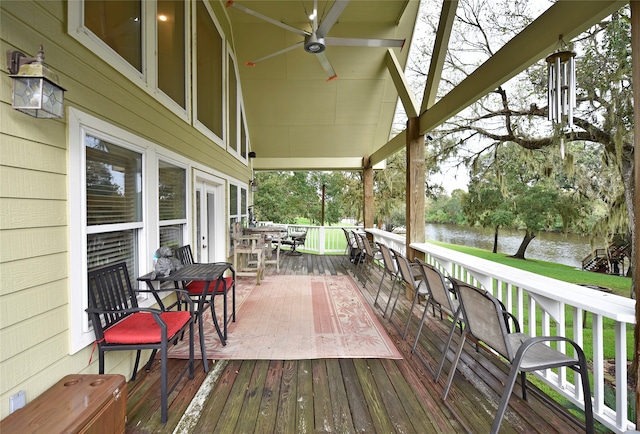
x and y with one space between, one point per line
555 247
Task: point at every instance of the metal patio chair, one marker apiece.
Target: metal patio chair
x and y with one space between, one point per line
389 268
121 325
371 255
410 274
358 253
441 297
485 321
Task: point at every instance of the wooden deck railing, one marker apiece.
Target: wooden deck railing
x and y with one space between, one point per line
547 306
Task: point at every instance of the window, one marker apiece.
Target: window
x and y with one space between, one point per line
127 196
237 208
113 186
172 192
172 55
146 41
244 144
209 57
233 107
119 25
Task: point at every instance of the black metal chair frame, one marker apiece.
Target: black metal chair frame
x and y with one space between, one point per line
113 304
185 255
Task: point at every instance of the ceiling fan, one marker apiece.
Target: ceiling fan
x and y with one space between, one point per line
316 41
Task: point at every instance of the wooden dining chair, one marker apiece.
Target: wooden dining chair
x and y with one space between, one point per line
120 324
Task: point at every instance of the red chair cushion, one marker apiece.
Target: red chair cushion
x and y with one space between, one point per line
142 328
197 286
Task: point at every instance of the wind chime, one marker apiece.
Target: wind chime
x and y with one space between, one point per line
561 96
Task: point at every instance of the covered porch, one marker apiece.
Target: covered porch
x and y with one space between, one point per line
345 395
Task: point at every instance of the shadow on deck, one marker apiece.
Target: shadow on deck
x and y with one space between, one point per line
344 395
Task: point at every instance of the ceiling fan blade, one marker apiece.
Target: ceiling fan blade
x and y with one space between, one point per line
314 22
332 16
267 19
277 53
364 42
326 65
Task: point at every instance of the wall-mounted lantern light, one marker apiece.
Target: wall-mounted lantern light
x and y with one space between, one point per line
36 91
254 185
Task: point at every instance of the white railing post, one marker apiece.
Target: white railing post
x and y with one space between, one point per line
321 237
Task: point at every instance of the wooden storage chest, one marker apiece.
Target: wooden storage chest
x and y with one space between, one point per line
75 404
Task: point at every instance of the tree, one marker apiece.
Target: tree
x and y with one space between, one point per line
447 209
389 193
485 204
286 196
535 208
516 111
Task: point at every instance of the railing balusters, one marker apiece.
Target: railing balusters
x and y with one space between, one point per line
621 372
598 363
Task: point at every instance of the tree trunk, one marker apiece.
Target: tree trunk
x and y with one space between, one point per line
528 237
495 240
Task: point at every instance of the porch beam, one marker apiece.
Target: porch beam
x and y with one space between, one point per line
439 53
567 18
392 146
311 163
367 183
402 85
415 188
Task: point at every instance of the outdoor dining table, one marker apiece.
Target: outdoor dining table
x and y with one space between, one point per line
274 235
212 273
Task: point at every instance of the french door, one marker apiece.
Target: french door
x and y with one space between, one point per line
209 244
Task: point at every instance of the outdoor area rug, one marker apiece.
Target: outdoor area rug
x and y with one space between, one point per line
296 318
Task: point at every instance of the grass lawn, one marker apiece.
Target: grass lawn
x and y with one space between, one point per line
618 284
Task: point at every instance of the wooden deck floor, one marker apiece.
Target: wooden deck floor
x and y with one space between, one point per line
344 396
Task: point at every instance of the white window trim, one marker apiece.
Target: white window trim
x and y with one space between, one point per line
80 124
147 79
240 117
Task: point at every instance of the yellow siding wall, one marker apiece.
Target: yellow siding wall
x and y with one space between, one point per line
34 261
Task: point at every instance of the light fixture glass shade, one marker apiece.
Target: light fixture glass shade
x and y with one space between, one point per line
36 92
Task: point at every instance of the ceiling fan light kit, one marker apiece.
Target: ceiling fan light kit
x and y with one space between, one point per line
313 44
316 41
